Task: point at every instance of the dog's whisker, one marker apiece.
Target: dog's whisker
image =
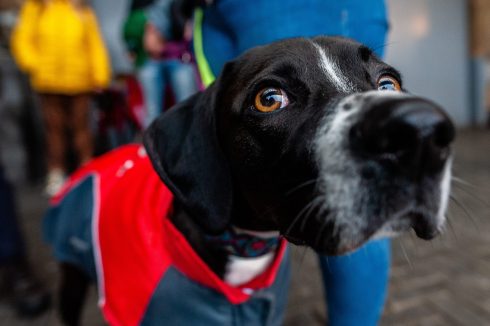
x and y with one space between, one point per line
464 182
450 218
308 214
400 242
304 184
383 46
415 243
460 186
320 233
296 219
465 210
302 259
450 224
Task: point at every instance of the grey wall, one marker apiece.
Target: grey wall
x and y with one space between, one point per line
428 43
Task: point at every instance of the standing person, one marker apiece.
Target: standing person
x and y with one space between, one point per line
355 284
19 285
17 282
58 44
165 62
111 15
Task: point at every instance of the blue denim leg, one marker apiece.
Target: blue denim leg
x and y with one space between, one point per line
151 78
181 78
11 242
231 27
356 284
366 22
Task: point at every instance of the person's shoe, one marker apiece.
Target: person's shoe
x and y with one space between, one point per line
24 291
54 182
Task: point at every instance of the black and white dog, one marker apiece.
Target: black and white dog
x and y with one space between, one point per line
314 140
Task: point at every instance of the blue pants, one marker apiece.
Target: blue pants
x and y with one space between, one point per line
231 27
154 77
11 243
355 284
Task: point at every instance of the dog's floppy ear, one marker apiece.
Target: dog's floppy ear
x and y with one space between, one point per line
183 147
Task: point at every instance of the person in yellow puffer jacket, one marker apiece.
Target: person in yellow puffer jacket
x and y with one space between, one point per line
58 44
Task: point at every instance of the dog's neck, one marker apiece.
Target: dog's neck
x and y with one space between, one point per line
236 256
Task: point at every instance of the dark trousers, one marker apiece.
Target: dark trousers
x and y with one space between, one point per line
11 243
62 113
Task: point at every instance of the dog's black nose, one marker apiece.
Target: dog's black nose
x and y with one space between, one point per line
409 133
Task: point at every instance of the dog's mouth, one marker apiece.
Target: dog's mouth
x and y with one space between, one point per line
423 223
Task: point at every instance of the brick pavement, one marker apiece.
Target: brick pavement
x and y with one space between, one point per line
442 282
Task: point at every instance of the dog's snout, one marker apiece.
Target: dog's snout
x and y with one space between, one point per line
412 133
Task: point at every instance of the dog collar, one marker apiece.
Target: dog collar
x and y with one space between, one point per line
243 243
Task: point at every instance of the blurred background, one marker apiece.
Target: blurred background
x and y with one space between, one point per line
442 48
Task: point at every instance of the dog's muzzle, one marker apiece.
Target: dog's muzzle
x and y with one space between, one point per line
385 168
411 137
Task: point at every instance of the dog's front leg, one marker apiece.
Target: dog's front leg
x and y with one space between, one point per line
72 293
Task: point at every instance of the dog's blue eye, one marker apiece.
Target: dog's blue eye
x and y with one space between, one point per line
270 99
388 83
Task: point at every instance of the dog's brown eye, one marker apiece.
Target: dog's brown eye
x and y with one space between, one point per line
270 99
388 83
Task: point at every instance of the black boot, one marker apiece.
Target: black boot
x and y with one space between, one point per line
24 290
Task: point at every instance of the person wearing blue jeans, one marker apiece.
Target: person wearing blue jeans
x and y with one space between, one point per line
165 64
355 284
154 76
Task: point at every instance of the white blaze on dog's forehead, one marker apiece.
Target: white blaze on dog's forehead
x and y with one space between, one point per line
333 72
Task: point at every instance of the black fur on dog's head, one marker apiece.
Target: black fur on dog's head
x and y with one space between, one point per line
335 162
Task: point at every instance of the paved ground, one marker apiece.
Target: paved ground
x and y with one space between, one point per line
443 282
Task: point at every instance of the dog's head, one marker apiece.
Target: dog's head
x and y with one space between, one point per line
312 137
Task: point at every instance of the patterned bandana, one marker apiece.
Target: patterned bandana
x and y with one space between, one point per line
243 244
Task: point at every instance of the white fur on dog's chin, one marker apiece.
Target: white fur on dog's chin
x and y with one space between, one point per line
445 187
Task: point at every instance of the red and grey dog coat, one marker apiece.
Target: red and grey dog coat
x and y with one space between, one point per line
110 219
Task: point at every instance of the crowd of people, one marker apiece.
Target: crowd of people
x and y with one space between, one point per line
58 44
61 47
